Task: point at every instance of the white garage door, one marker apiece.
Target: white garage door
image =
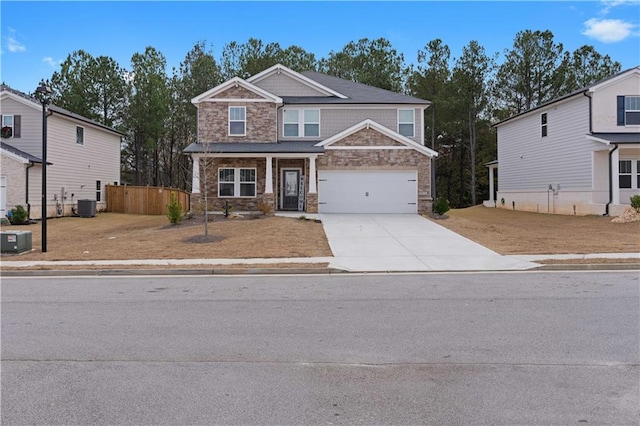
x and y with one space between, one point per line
371 191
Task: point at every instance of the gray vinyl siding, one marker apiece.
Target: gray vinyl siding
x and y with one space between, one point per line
30 139
78 167
531 162
335 120
283 85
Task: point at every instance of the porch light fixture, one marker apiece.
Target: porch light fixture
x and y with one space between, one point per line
44 94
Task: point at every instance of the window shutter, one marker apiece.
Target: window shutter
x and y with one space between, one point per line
620 110
17 119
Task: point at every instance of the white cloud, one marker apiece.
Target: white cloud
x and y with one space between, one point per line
610 4
607 30
51 62
14 46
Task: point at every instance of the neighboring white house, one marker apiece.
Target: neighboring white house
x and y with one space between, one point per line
578 154
82 157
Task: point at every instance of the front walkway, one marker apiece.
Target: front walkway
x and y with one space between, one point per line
406 242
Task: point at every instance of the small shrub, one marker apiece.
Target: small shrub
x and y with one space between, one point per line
264 208
18 215
174 213
635 202
441 206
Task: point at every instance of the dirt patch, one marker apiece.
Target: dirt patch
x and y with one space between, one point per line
111 236
516 232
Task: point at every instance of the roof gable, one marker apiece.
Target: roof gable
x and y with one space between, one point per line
616 78
370 124
300 78
211 95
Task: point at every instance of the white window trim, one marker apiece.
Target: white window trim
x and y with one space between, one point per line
630 110
413 123
301 123
236 121
83 135
237 182
297 123
13 123
630 173
545 125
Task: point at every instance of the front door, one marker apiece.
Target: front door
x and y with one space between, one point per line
290 182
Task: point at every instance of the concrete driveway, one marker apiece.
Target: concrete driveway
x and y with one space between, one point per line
406 242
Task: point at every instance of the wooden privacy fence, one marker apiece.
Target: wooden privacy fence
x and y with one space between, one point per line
143 199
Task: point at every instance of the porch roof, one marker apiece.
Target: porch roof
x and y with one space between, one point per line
615 138
282 147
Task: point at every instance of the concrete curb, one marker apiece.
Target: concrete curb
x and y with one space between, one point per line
292 271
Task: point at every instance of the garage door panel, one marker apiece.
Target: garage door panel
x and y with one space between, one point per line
346 191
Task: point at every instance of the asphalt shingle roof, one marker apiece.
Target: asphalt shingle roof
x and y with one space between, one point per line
618 137
20 153
357 93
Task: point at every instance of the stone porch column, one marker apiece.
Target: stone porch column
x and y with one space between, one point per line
195 176
268 183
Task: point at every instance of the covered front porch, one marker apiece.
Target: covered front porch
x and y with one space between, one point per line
250 182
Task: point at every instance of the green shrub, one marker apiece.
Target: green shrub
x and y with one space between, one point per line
635 202
174 211
441 206
19 215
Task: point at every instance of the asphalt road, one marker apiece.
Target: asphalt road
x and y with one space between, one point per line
452 349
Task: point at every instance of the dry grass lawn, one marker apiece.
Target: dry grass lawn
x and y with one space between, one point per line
113 236
515 232
110 236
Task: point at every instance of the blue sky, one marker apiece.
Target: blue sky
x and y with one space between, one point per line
37 36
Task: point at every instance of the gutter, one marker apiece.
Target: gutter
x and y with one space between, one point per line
606 209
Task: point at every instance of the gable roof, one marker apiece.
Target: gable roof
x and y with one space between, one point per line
235 81
279 68
370 124
6 91
595 86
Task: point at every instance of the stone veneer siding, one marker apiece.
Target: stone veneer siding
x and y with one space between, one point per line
261 118
368 137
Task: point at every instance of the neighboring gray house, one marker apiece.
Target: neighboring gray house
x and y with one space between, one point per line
310 142
82 157
578 154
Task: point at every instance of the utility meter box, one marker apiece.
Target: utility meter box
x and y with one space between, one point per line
15 241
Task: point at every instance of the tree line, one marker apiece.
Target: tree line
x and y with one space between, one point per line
152 105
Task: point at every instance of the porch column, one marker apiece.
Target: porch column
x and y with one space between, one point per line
312 174
195 176
615 177
491 190
268 183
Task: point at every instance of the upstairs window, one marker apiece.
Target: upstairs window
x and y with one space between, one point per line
624 175
80 135
406 122
632 110
303 122
543 125
237 120
10 126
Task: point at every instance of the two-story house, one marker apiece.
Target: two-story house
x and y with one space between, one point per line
310 142
82 157
578 154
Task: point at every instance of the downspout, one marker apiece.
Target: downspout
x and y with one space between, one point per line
606 209
26 198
